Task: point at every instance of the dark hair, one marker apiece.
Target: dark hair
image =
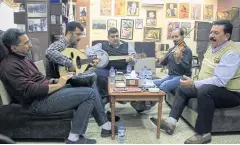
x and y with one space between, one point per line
11 37
71 26
112 30
181 31
228 27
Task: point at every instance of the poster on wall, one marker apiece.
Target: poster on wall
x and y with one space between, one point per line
99 24
196 13
37 25
224 15
152 34
186 26
106 8
184 10
83 11
132 8
126 29
111 24
138 23
37 10
151 18
120 7
172 10
170 27
22 8
208 12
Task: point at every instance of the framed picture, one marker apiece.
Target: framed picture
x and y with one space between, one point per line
83 11
138 23
224 15
83 21
183 10
151 18
37 10
99 24
132 8
186 26
126 29
111 24
152 34
208 12
106 8
119 9
196 13
170 27
172 10
37 25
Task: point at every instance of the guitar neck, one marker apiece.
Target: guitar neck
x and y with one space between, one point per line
118 57
86 61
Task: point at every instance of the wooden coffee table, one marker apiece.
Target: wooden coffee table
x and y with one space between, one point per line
134 96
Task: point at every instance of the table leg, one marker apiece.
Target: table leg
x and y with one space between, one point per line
159 118
113 116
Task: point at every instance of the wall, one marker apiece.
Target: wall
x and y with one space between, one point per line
6 16
162 22
227 4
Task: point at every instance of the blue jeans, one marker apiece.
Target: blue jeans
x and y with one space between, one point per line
168 83
83 99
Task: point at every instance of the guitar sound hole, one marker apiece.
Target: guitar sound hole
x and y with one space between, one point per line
78 62
72 55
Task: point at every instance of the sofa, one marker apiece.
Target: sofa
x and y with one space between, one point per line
17 122
224 120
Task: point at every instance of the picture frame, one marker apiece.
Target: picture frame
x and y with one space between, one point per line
152 34
151 18
132 8
37 25
170 27
196 11
208 12
186 26
184 10
37 10
172 10
111 23
99 24
126 29
138 23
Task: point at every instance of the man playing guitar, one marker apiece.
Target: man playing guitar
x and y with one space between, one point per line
55 59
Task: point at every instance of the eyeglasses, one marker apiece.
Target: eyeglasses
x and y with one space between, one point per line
26 43
113 36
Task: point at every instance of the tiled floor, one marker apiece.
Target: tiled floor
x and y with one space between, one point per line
141 131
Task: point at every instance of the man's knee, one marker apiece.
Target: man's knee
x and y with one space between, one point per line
181 90
206 90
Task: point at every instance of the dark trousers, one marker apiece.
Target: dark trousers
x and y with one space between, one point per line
209 97
83 99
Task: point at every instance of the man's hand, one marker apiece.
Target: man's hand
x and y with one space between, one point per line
96 60
130 58
186 81
177 54
63 79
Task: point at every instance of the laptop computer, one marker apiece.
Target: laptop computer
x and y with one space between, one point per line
150 62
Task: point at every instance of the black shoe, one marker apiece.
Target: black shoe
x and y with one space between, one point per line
117 118
107 133
82 140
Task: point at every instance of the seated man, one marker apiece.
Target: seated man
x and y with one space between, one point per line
114 47
28 87
218 85
55 58
175 69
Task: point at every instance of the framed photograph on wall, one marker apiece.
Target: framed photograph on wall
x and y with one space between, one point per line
111 23
196 11
186 26
138 23
170 27
37 10
183 10
132 8
99 24
126 29
37 25
172 10
151 18
208 12
152 34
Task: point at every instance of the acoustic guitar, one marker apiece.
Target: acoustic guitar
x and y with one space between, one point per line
81 61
